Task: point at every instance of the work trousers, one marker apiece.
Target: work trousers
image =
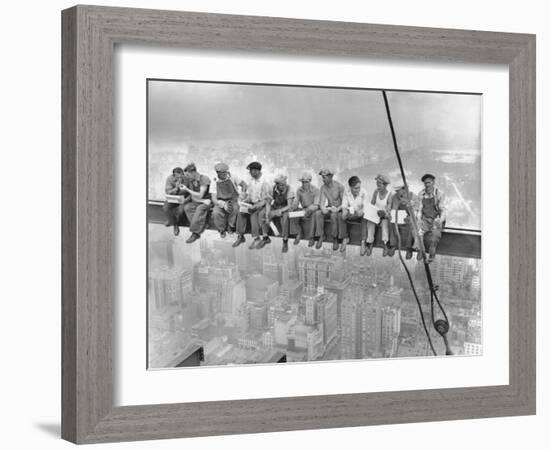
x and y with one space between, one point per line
255 225
371 229
336 223
282 223
197 214
352 219
173 212
223 220
431 232
303 226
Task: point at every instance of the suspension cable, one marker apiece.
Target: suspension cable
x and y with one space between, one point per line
440 325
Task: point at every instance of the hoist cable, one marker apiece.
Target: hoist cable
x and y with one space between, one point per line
441 326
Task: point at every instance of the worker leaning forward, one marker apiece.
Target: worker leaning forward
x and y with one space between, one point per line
307 199
174 211
332 194
402 203
277 209
381 199
352 211
198 203
225 196
433 213
253 206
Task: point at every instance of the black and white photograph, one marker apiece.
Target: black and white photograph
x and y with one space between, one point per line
295 224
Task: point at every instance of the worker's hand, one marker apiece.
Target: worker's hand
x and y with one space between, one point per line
437 222
221 204
381 213
207 201
311 208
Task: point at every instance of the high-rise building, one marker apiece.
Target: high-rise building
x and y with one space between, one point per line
169 286
371 329
258 315
318 270
351 324
391 321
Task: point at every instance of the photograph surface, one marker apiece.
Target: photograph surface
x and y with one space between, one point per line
309 223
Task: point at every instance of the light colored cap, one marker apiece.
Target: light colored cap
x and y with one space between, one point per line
221 167
280 178
326 172
382 178
306 176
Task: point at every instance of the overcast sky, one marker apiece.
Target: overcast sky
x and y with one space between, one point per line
198 112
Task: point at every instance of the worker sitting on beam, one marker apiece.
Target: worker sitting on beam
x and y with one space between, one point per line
174 210
252 207
277 209
225 196
307 199
198 204
352 212
432 215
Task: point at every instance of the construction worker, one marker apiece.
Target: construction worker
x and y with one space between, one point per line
255 199
277 208
198 203
352 212
307 199
332 195
381 199
225 197
401 203
432 215
174 211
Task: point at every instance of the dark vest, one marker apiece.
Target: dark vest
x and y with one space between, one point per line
280 199
226 190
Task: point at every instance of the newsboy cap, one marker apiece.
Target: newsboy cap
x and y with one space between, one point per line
221 167
280 178
306 176
254 165
427 176
382 178
326 172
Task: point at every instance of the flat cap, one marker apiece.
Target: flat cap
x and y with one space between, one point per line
382 178
221 167
280 178
427 176
326 172
254 165
306 176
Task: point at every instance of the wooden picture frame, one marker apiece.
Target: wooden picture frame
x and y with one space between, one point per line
89 37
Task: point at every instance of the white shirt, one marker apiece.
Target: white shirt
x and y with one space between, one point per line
354 204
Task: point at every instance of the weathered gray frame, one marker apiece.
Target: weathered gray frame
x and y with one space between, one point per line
89 36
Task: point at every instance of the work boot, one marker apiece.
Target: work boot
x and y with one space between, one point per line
363 248
419 255
285 246
176 230
409 253
369 249
263 242
391 251
255 243
297 239
239 241
193 238
385 250
319 243
167 223
335 244
223 234
343 244
311 242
